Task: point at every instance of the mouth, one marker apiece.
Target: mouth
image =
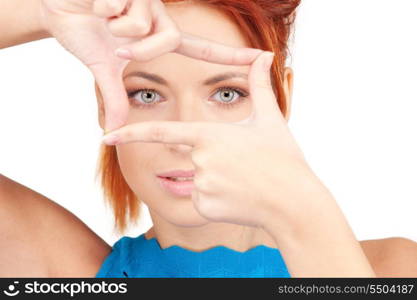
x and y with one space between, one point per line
178 174
178 179
177 186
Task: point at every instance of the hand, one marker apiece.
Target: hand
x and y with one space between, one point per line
244 172
93 30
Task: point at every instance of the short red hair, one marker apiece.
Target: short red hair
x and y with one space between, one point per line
267 25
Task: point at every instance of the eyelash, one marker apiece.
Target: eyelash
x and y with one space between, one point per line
242 96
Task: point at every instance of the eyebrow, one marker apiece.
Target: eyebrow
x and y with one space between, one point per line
210 81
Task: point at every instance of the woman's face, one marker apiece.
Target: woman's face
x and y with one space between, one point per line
173 87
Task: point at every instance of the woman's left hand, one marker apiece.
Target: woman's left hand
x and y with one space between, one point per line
245 173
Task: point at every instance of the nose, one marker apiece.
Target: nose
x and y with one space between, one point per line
187 109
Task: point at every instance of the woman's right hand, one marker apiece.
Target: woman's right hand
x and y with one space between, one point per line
93 30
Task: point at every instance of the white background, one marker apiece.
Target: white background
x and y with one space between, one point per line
353 114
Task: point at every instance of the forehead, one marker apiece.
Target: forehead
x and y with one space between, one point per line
201 20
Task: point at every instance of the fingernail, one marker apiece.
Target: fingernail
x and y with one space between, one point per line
123 53
111 139
268 59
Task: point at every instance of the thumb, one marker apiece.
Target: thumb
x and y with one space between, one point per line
115 99
265 104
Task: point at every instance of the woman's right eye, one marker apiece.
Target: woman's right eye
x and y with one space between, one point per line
144 97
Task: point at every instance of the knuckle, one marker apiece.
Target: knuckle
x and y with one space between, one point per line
156 133
114 6
128 133
200 159
209 209
207 52
201 205
202 183
140 28
174 36
114 29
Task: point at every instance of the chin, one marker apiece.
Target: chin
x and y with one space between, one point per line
178 212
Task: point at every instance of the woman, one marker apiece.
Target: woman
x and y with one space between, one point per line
219 146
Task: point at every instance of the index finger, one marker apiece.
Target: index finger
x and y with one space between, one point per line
169 132
210 51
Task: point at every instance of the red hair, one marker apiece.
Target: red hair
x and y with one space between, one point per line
267 25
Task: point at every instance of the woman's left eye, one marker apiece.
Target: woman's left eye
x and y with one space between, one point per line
228 96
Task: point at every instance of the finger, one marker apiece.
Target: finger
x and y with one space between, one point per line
265 106
210 51
150 47
136 23
109 8
168 132
116 104
196 47
165 37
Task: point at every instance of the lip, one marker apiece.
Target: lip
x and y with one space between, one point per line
177 173
177 188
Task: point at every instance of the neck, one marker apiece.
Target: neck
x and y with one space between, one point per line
237 237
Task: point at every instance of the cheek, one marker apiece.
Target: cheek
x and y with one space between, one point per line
232 114
136 161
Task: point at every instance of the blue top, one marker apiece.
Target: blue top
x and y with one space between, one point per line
141 257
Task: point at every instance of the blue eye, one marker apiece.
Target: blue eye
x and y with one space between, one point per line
228 96
147 98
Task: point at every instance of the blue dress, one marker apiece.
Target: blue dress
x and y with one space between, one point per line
141 257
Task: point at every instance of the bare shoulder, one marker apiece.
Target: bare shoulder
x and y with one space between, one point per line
392 256
40 238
